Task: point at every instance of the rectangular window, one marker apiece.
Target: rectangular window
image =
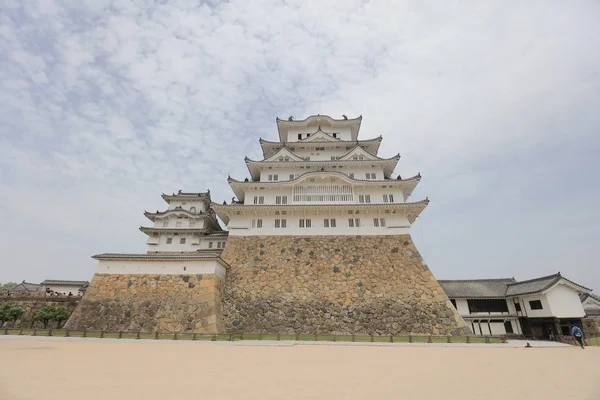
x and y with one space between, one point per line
391 198
301 223
299 136
487 306
276 177
385 198
277 223
308 223
177 224
305 223
508 327
255 199
182 241
335 135
326 223
357 222
375 222
367 198
283 199
351 222
169 240
223 245
277 199
270 177
351 175
259 223
210 244
283 223
165 224
332 222
517 306
261 200
370 175
454 304
291 177
332 158
218 245
361 198
536 305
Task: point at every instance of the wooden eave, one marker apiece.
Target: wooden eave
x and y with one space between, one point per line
149 230
186 197
152 216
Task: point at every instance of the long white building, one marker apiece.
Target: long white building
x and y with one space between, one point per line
320 179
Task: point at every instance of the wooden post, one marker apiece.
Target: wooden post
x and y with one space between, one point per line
21 331
102 334
316 337
68 333
468 339
120 334
409 338
84 333
487 339
429 340
260 336
278 337
449 339
175 336
231 337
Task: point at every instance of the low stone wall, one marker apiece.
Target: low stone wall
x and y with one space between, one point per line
338 285
150 303
29 304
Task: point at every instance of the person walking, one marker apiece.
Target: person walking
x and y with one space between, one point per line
578 333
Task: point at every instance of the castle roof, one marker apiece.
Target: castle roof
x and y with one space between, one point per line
388 164
176 211
200 255
198 231
408 185
48 282
283 126
411 210
320 139
203 196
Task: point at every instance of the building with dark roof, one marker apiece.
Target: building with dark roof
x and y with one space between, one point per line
541 308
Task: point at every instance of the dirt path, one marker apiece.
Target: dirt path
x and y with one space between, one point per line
41 369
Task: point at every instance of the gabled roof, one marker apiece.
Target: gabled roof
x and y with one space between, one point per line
476 288
26 287
48 282
319 136
359 151
203 196
538 285
283 126
178 210
284 152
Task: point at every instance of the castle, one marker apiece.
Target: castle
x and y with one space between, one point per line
318 242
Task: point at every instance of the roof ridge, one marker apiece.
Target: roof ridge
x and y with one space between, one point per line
476 280
541 278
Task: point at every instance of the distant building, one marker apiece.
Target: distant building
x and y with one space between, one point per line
539 308
25 287
64 287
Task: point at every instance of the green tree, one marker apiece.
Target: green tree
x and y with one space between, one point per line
8 285
50 313
60 315
10 313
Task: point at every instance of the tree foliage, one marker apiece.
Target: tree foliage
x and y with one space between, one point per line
10 313
50 313
8 285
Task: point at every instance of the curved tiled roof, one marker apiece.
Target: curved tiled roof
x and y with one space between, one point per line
476 288
297 178
65 283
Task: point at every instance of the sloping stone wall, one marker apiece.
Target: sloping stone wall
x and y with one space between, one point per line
150 303
34 303
591 326
337 285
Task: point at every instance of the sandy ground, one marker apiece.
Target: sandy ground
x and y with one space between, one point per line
90 370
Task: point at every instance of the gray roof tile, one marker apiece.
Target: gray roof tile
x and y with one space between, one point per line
476 288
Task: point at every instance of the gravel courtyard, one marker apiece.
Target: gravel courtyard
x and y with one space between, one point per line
87 369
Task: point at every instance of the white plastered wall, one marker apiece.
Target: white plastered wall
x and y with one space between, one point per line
173 267
564 302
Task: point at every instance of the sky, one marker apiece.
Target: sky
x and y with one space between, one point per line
104 105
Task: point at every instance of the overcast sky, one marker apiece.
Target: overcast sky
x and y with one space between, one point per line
105 104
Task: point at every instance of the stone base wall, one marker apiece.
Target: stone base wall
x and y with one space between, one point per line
591 326
150 303
333 285
31 304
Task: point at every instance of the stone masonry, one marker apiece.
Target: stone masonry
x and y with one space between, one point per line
333 285
150 303
31 304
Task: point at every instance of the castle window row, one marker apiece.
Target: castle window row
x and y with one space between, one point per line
319 194
178 224
327 223
220 245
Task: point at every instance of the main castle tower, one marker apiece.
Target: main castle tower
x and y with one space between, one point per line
319 240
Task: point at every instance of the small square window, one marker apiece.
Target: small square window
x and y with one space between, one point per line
291 177
375 222
536 305
382 222
299 136
326 223
169 240
210 245
259 223
182 241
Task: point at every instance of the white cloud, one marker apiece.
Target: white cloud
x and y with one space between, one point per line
106 104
